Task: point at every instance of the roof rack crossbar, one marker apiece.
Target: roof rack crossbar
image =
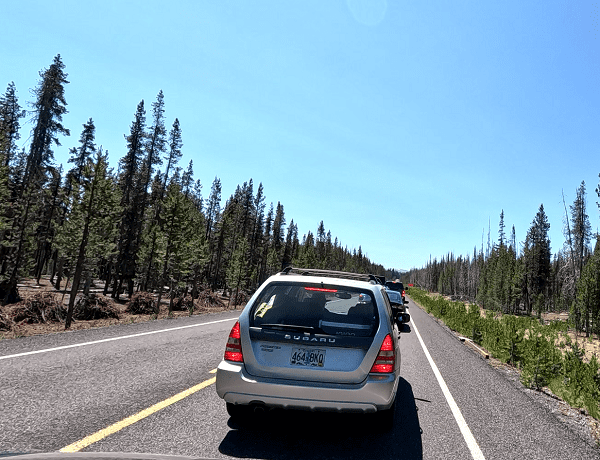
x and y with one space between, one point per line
333 274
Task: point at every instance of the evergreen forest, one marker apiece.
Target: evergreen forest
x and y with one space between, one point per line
144 226
525 278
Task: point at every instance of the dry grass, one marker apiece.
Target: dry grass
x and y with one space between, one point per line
208 302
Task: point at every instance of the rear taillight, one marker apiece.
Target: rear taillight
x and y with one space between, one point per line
386 359
233 350
403 293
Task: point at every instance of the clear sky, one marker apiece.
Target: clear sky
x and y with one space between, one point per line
406 126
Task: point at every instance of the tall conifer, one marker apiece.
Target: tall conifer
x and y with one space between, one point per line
130 193
10 113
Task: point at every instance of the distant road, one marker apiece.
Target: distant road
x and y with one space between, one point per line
59 389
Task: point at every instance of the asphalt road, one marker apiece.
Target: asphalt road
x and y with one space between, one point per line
84 386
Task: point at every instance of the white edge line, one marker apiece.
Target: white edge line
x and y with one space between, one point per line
462 424
46 350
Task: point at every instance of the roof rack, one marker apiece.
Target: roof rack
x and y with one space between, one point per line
334 274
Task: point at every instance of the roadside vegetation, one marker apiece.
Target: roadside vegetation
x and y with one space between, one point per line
143 232
541 313
545 354
525 278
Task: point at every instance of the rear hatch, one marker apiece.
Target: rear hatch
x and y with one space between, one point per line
313 333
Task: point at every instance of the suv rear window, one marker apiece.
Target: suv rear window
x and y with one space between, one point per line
395 286
327 309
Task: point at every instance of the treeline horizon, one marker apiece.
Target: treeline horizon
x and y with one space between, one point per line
143 227
527 280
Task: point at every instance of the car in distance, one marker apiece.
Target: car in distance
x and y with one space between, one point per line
397 286
314 340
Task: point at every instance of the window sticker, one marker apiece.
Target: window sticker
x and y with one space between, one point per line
264 307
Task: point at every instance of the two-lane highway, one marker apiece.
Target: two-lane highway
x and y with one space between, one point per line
149 388
54 395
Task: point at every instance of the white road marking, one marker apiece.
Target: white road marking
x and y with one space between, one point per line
46 350
462 424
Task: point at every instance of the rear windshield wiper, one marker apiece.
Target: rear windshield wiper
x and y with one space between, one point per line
289 327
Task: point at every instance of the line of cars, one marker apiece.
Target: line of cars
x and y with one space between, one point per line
316 340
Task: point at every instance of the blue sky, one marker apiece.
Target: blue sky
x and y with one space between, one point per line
406 126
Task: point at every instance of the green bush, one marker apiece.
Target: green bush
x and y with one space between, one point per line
524 342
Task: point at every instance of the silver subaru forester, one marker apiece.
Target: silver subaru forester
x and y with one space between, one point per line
314 340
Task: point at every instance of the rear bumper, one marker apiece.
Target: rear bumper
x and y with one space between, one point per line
235 386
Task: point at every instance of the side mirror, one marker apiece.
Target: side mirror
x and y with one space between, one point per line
405 317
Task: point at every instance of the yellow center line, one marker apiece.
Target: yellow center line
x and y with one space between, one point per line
91 439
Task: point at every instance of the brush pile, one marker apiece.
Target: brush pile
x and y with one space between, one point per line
5 322
41 307
209 301
183 303
241 298
142 303
94 306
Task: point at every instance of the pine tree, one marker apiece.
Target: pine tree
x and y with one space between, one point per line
513 241
10 114
46 220
289 252
172 158
307 257
247 208
48 110
197 244
81 155
278 235
256 240
5 207
541 360
213 208
537 255
92 207
174 154
588 292
130 226
154 146
177 231
238 268
501 234
266 245
582 230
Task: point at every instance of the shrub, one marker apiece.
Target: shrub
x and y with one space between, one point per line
541 362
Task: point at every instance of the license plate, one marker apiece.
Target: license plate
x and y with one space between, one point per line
311 357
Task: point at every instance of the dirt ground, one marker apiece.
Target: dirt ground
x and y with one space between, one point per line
591 344
30 287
